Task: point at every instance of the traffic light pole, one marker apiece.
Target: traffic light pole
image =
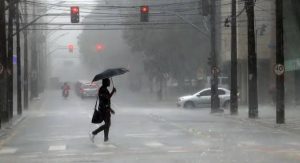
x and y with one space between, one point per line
252 63
19 82
10 58
26 100
34 61
215 100
3 65
233 91
280 107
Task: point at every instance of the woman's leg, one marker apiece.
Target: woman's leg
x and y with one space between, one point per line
106 127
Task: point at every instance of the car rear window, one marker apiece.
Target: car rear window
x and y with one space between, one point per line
89 86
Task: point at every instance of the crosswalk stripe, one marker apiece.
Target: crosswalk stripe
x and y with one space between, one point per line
8 150
154 144
106 146
57 148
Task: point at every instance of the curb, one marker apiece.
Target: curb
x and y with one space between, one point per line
11 125
259 121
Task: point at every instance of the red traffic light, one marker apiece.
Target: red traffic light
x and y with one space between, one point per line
74 14
144 13
75 9
144 9
71 48
99 47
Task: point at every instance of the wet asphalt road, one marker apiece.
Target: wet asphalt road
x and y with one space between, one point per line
57 131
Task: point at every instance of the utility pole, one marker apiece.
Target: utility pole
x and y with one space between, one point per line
2 38
252 63
34 63
19 83
3 65
10 52
233 91
25 32
215 101
280 107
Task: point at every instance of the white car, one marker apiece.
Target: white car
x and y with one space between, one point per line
203 99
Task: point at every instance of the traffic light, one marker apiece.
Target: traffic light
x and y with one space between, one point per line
71 48
144 13
99 47
74 14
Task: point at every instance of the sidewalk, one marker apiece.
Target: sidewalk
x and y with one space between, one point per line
7 126
267 117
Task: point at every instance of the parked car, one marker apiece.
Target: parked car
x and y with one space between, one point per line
86 89
203 99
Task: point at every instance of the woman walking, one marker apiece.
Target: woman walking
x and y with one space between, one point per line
104 106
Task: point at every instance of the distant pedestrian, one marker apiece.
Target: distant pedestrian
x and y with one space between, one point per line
104 106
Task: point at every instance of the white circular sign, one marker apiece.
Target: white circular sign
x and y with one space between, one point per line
279 69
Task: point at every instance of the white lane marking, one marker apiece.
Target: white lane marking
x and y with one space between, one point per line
106 145
142 135
152 135
154 144
29 156
57 148
178 151
101 153
201 143
8 150
66 154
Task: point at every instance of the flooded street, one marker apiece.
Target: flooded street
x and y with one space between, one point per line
57 131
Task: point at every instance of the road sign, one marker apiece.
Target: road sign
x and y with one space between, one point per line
215 70
279 69
292 65
14 59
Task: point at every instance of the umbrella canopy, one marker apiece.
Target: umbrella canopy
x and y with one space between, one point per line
109 73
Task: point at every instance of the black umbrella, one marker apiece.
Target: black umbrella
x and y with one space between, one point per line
109 73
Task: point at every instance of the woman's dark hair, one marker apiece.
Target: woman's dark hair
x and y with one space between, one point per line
106 82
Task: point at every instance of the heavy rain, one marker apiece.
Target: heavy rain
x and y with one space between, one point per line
143 81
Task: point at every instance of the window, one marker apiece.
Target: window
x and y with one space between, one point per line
206 93
221 92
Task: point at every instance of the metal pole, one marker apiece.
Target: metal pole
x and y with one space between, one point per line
10 59
19 83
233 91
2 37
215 101
280 107
34 62
3 65
252 63
25 32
